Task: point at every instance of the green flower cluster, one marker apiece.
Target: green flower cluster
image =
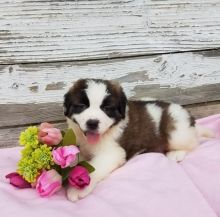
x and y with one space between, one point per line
42 156
35 155
29 137
28 169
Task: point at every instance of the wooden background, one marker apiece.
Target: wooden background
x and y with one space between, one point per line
154 48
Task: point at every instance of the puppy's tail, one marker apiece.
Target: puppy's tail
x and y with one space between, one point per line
204 132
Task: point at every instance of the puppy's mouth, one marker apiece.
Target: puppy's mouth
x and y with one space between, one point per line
92 137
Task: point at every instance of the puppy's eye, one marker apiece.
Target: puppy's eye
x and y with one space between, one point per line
80 106
108 108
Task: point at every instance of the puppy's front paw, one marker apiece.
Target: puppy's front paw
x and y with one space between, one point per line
176 155
74 194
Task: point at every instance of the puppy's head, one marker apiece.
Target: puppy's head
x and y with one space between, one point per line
95 106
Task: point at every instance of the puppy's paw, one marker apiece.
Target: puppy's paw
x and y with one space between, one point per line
74 194
176 155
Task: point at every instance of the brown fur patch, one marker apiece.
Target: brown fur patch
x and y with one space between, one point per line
192 121
140 134
74 96
78 86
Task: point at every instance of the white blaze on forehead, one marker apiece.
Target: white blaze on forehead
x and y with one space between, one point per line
96 92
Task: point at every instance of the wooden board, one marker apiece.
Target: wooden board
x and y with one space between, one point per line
204 93
140 77
202 110
44 31
9 136
24 114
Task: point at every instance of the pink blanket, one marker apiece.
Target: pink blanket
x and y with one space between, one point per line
148 185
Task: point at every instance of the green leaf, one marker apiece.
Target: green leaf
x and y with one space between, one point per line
65 173
63 133
88 166
57 168
69 138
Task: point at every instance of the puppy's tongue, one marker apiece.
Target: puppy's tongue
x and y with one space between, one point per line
92 138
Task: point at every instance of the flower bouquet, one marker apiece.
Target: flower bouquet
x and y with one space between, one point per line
49 160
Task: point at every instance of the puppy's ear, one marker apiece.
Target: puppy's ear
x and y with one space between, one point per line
67 105
122 103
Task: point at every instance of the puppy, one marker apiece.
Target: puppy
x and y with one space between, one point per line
110 130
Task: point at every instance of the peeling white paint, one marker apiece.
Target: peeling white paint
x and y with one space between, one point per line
174 70
45 31
74 30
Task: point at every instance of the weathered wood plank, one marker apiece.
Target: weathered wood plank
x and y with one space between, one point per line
205 93
23 114
204 109
9 136
140 77
39 31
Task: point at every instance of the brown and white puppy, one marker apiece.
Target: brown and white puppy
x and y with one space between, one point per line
111 130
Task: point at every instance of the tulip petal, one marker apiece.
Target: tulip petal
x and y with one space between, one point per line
72 149
79 177
65 155
51 189
45 125
48 183
50 135
10 175
17 180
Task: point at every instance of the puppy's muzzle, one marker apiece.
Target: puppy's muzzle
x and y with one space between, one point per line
92 124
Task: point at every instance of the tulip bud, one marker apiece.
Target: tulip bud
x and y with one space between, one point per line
17 180
48 183
49 135
79 177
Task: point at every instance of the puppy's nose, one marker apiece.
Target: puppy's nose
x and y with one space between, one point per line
92 124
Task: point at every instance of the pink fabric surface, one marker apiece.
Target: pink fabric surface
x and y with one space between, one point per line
148 185
203 164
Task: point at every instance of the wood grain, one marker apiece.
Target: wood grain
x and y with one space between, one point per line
24 114
39 31
205 93
204 109
9 136
140 76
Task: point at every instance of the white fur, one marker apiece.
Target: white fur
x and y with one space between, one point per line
111 135
176 155
155 113
204 132
184 137
96 92
108 156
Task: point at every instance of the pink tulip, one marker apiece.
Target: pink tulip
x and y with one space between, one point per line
49 135
79 177
45 125
17 180
65 156
48 183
